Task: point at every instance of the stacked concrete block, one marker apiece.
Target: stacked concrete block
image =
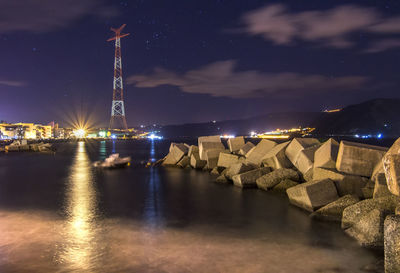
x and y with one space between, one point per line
193 149
222 179
256 154
358 159
353 214
212 156
226 160
196 162
305 160
206 146
313 195
326 155
246 148
215 171
391 166
392 243
235 144
284 185
238 168
185 161
248 179
297 145
172 145
177 151
380 187
368 230
334 211
273 178
276 157
368 190
215 138
208 139
345 183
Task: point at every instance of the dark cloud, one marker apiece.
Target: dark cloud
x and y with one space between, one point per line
330 28
220 79
47 15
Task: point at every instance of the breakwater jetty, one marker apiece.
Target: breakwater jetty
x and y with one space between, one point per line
348 182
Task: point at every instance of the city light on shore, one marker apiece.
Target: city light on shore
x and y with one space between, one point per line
80 133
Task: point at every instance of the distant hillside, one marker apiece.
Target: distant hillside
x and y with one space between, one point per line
370 117
242 127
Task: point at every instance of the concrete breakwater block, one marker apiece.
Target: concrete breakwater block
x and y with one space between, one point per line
313 195
353 214
196 162
212 156
246 148
297 145
185 161
345 183
284 185
380 186
193 149
206 146
248 179
215 138
226 159
358 159
392 243
256 154
177 151
238 168
326 155
208 139
394 149
235 144
222 179
391 165
305 160
273 178
368 230
334 211
276 157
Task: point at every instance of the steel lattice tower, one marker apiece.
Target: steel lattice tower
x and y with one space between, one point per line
117 108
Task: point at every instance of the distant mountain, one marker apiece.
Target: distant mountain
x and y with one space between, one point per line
378 116
242 127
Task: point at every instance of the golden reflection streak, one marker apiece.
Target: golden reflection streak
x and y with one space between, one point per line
80 232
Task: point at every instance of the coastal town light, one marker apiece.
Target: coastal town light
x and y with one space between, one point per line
80 133
154 136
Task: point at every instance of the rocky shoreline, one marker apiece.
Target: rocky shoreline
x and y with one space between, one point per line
348 182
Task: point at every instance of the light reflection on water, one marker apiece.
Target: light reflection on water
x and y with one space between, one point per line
154 220
152 209
102 150
80 230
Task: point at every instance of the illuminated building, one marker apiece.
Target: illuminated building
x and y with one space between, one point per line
29 130
10 131
43 131
25 131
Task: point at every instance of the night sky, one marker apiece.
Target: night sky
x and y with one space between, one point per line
194 61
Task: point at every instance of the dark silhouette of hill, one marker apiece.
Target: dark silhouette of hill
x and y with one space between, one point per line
378 116
242 127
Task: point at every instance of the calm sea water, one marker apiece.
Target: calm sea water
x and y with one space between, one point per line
59 214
